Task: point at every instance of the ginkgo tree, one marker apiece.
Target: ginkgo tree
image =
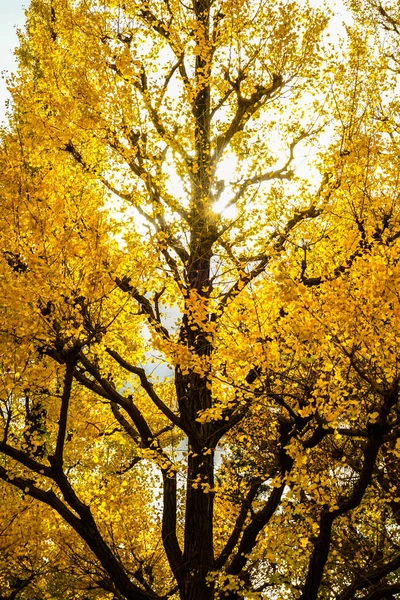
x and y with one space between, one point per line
199 317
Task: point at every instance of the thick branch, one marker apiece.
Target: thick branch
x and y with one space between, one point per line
86 527
308 213
90 384
62 423
25 460
169 521
29 487
131 431
387 592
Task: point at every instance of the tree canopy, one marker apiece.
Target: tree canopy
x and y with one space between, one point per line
199 262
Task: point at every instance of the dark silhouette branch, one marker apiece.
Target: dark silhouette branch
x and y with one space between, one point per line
147 386
372 578
263 260
246 107
260 519
238 527
62 423
322 542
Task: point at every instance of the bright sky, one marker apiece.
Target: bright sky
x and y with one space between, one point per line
11 17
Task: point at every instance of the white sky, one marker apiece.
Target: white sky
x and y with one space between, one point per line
11 17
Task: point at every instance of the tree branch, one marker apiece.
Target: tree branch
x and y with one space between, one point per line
145 305
388 592
370 579
283 173
170 139
25 460
127 427
322 543
263 260
262 517
114 396
29 487
62 423
246 107
238 527
147 386
169 522
155 195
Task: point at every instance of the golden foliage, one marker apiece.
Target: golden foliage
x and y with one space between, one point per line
199 321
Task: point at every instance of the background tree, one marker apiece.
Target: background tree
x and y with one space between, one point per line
151 215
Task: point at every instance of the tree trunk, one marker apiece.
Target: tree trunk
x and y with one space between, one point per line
198 554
